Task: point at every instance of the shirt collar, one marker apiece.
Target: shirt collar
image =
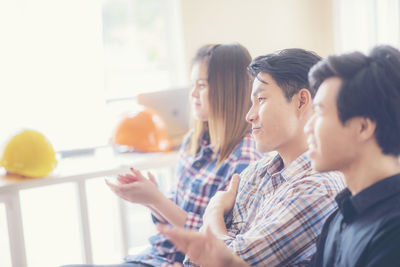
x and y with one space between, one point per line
344 204
376 193
274 165
351 206
296 169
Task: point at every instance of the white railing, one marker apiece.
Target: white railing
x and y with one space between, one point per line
77 171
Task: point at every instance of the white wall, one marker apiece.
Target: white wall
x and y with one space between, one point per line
263 26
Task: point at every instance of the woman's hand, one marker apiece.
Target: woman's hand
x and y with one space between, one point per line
136 188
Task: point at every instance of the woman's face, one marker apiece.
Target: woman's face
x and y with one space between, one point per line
199 92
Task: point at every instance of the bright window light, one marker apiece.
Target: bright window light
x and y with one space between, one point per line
63 60
104 222
51 225
52 70
142 44
362 24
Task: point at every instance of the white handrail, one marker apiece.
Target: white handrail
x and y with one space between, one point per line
76 170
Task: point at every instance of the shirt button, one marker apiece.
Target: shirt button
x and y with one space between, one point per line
197 164
343 225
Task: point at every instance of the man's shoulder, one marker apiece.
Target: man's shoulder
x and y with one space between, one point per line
324 176
332 182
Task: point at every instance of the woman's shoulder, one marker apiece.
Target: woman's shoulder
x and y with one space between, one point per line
246 148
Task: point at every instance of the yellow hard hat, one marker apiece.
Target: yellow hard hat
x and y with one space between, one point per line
29 153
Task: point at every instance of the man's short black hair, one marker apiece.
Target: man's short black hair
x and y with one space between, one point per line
370 89
289 68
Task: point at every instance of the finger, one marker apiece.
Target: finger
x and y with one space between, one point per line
108 182
234 184
123 180
112 186
209 233
210 237
126 179
177 264
121 188
137 173
175 235
152 178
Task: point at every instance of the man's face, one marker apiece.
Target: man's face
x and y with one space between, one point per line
273 118
332 145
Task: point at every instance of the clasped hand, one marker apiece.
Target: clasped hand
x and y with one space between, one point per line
222 202
136 188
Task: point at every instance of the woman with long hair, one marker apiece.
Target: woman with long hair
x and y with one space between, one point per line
219 145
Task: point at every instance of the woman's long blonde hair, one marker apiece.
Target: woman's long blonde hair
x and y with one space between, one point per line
229 91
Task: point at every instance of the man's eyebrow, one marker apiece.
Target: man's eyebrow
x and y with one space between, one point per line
257 91
200 80
258 77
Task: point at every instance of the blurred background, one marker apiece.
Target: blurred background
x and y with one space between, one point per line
68 68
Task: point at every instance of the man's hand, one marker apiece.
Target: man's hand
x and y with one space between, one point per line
136 188
221 204
203 249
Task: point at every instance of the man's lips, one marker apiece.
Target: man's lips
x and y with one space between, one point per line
255 130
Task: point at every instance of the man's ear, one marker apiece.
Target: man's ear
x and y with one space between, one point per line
366 128
303 100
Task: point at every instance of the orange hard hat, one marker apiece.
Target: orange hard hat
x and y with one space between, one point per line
144 130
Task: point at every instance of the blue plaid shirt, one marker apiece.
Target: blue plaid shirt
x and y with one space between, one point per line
198 179
279 212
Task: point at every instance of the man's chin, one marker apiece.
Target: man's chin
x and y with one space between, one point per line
319 166
262 148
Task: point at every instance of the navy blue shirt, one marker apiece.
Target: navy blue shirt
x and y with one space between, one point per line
365 230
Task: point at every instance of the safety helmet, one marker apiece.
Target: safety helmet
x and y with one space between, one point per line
29 153
143 130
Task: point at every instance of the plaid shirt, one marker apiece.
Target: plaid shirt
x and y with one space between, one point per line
279 212
198 179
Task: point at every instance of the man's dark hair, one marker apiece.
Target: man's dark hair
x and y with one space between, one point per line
289 68
370 89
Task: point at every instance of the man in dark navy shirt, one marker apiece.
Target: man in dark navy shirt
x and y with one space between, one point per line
356 130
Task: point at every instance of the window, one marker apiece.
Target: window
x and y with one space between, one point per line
362 24
62 60
142 46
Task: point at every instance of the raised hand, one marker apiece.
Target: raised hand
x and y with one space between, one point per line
203 249
136 188
130 178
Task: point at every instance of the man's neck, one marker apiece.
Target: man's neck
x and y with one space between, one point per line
293 149
370 169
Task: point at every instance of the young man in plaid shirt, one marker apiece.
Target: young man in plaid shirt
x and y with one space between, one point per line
365 229
273 213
